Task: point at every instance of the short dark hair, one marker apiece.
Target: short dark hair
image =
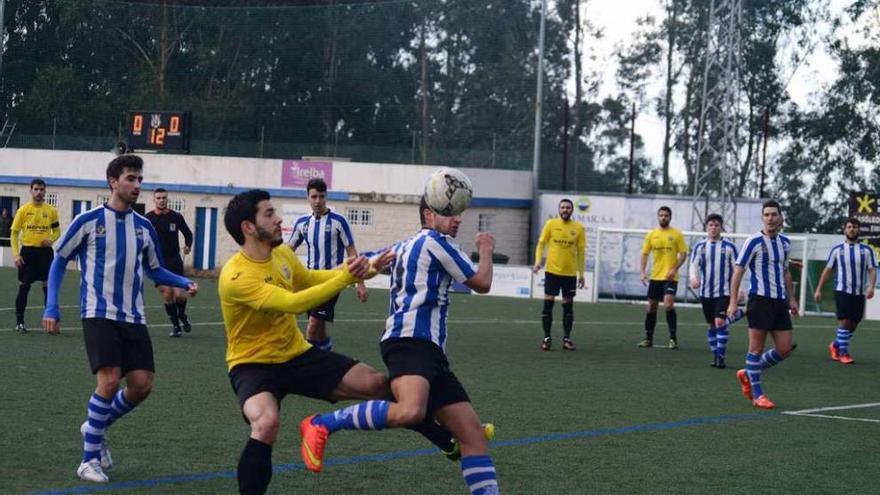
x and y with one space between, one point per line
853 220
38 182
123 162
242 207
317 184
566 200
160 190
423 205
714 217
772 203
666 209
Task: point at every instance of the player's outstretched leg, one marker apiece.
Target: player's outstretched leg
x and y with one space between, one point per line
316 429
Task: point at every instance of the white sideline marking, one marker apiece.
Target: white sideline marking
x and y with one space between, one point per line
812 412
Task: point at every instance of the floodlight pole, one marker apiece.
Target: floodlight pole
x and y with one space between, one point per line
539 97
2 35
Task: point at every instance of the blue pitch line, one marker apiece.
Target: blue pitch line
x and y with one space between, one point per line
391 456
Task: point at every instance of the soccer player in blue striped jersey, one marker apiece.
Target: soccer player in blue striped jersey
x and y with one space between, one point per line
712 262
328 240
116 246
414 350
856 276
771 299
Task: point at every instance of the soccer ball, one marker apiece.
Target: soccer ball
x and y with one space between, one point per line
448 192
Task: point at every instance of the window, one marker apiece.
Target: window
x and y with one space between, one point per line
359 216
176 204
103 199
486 222
52 199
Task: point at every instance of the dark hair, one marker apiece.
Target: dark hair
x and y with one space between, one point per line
38 182
853 220
160 190
316 184
566 200
771 204
123 162
666 209
714 217
423 205
242 207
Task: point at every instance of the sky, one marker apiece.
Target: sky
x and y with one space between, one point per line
816 72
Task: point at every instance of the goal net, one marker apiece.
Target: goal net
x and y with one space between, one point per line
618 253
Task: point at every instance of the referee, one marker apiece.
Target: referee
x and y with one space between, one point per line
34 229
169 224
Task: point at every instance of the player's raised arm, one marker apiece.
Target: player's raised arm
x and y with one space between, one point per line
481 282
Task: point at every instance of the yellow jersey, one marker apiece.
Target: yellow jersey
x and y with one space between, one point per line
665 245
35 223
259 301
565 242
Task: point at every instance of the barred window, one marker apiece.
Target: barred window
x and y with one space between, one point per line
486 222
359 216
52 199
103 199
176 204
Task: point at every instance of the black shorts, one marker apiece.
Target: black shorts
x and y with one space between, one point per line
849 307
714 307
314 373
173 265
37 261
657 289
326 311
554 283
412 356
117 344
768 314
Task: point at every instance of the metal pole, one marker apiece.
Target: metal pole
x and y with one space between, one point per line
2 34
539 96
262 139
54 130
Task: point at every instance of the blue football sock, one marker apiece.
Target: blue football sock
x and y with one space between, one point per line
711 336
771 358
735 317
370 415
121 406
99 412
721 341
479 474
842 342
753 370
324 345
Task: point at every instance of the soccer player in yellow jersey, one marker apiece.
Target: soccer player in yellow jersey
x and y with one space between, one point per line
667 246
565 241
262 288
34 229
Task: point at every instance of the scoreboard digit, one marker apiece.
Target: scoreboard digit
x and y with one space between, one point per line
149 130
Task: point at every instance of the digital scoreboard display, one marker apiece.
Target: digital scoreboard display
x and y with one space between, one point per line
159 131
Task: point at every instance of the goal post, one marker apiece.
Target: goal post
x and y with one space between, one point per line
618 253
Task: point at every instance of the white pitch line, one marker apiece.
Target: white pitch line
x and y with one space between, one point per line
832 408
828 416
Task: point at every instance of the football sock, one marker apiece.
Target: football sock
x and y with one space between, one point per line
435 433
672 321
770 358
99 412
650 323
324 345
45 295
735 317
721 334
753 370
21 302
547 316
121 406
171 309
842 341
181 309
479 474
370 415
567 318
712 337
254 468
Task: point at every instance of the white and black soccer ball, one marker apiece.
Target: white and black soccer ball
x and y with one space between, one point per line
448 191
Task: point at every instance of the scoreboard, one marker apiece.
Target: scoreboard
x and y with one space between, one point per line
149 130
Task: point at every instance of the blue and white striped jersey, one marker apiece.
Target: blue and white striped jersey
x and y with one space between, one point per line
853 262
712 262
424 268
326 239
113 248
766 258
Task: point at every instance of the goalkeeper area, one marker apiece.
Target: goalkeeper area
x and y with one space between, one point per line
606 418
